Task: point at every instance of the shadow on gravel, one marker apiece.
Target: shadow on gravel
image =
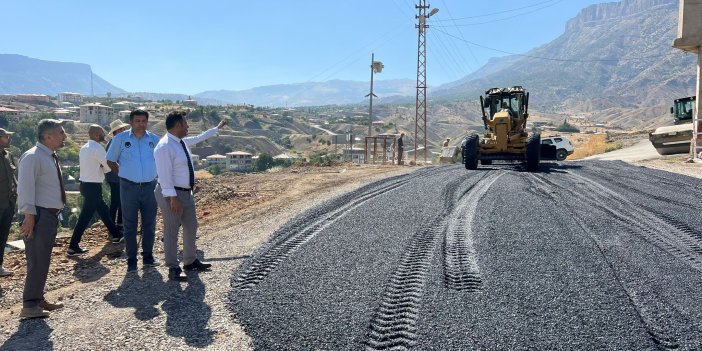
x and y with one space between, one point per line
32 334
142 293
555 167
91 269
187 314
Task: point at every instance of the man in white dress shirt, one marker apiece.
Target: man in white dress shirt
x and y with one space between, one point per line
93 167
174 193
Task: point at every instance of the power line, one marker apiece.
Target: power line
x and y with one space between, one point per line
504 18
551 58
470 50
451 64
501 12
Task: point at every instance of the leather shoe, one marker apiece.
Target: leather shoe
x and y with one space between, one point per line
46 305
197 266
33 312
177 275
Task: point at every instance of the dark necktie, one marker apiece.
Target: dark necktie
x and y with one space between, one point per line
191 171
58 170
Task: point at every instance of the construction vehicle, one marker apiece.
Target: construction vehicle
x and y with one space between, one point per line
506 137
676 139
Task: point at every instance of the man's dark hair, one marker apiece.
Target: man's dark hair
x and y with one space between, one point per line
174 117
138 112
45 126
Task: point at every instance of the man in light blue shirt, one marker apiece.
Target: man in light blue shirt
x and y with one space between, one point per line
131 157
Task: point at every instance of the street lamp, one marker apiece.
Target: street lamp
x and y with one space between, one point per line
376 67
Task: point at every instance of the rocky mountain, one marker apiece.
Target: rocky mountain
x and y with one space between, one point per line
312 93
611 57
20 74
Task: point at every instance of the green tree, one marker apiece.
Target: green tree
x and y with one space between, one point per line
567 127
215 170
264 162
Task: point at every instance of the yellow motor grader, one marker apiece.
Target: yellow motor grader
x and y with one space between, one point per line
506 137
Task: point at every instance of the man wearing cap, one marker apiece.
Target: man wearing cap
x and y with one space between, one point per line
8 193
131 157
93 167
116 127
40 196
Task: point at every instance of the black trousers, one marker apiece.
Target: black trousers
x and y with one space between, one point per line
115 204
6 216
92 201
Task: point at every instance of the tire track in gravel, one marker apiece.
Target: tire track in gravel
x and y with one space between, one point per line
394 323
461 271
293 235
652 173
653 310
628 186
663 232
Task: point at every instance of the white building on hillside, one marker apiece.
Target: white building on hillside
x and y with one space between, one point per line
96 113
73 98
239 161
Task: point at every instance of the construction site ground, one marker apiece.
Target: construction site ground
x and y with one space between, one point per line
238 214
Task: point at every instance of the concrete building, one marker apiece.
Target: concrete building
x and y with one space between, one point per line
124 115
216 159
239 161
62 113
356 155
73 98
122 106
33 98
9 112
96 113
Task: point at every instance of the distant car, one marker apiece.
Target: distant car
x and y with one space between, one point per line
557 147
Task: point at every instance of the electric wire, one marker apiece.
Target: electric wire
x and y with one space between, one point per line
552 58
470 50
500 19
499 12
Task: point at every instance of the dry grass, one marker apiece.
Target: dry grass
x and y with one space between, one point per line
591 144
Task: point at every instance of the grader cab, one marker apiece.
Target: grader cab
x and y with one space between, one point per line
506 137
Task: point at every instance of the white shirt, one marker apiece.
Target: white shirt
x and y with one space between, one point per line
171 162
93 164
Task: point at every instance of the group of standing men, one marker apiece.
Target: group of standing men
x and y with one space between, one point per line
143 170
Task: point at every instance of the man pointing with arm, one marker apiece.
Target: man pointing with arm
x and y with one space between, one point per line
174 193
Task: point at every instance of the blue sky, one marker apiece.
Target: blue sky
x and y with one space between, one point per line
192 46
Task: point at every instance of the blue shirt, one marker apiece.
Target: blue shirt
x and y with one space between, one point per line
135 156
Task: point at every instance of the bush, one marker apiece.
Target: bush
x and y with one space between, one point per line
320 159
263 163
215 170
613 147
567 127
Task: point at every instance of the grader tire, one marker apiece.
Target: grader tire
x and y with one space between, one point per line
533 152
471 152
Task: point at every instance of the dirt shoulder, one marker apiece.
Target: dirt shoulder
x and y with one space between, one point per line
237 213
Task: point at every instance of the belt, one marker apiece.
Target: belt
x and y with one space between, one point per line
53 211
181 189
135 183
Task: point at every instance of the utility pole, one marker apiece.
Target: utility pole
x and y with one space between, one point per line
376 67
420 120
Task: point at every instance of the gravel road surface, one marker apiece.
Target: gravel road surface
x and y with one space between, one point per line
593 255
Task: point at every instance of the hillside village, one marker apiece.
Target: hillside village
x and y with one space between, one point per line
286 134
